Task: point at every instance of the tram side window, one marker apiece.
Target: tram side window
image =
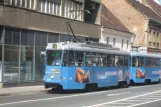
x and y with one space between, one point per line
126 61
134 61
71 58
110 60
153 62
121 61
157 62
89 59
95 59
79 57
116 61
104 60
65 58
140 61
101 60
150 62
147 62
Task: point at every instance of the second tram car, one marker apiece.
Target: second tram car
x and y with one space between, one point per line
145 67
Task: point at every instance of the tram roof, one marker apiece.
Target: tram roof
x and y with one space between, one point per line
85 47
143 54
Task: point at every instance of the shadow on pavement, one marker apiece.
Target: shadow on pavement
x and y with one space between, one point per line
54 91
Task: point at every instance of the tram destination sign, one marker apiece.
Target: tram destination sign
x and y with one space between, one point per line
54 46
96 44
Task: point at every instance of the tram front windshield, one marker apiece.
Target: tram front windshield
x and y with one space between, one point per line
54 57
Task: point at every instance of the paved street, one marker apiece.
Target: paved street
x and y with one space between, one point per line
134 96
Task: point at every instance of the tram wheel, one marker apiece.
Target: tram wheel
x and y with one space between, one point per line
57 89
123 84
147 82
159 82
91 87
132 83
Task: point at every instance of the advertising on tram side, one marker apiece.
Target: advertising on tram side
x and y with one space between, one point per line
83 76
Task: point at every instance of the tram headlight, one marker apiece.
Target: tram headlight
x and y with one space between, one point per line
52 76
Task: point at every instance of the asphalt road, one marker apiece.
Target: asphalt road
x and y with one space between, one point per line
134 96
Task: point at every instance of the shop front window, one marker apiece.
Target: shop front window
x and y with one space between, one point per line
41 39
26 64
39 63
0 63
64 38
12 36
11 65
27 37
0 52
1 30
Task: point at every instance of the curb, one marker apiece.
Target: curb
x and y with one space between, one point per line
6 94
19 93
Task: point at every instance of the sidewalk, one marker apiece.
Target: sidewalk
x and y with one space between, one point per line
18 90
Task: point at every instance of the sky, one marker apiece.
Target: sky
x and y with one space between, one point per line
158 1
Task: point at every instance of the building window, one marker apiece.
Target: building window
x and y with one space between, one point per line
50 6
93 8
11 64
154 36
39 63
64 37
107 40
70 5
27 37
122 45
41 39
21 3
157 36
114 42
1 33
26 63
53 38
12 36
127 44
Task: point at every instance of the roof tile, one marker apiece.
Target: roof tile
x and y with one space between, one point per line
110 21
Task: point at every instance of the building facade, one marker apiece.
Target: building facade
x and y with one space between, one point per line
140 20
26 26
113 30
118 39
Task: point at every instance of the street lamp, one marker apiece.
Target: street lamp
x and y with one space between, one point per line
68 23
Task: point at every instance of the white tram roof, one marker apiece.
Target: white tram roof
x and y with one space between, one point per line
143 54
86 47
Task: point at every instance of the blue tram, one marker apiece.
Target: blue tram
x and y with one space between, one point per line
72 65
145 67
